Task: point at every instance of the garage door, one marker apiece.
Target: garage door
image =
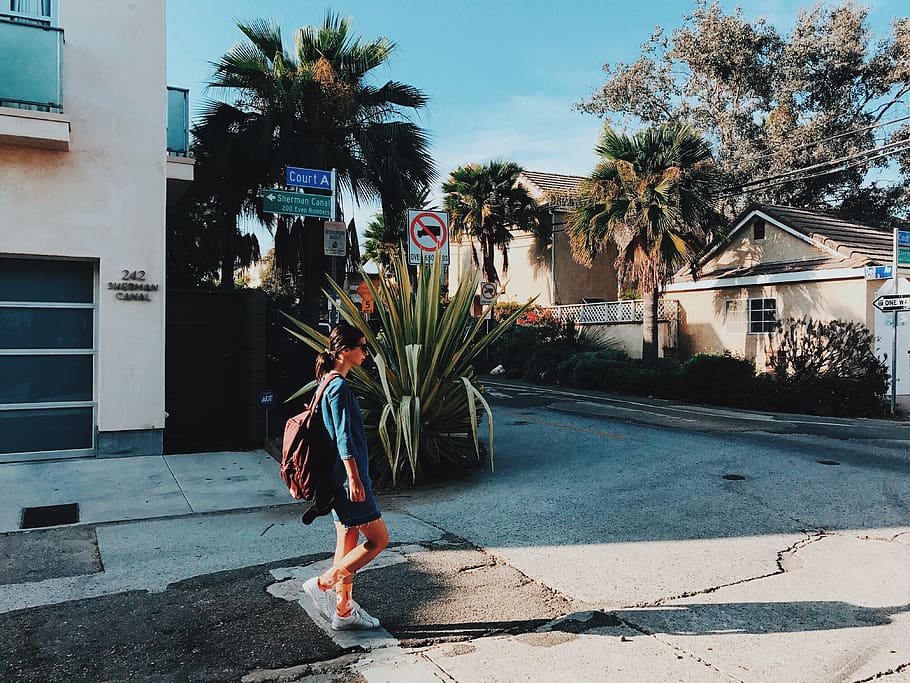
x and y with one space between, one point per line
47 359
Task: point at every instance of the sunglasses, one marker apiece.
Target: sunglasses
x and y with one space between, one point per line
363 347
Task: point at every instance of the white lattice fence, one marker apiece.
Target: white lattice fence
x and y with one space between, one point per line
606 312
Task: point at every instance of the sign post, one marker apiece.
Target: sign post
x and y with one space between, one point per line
266 401
428 235
901 258
334 238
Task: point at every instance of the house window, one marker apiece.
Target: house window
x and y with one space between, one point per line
762 315
758 230
755 316
31 11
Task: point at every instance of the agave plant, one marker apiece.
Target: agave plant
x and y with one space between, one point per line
422 408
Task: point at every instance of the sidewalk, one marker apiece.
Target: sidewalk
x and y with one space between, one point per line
123 489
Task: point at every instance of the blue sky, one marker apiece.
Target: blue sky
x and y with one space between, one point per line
501 75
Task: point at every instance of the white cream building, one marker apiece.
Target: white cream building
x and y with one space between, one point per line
92 141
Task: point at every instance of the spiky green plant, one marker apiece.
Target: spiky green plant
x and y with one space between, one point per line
422 411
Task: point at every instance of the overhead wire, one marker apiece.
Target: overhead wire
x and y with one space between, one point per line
782 179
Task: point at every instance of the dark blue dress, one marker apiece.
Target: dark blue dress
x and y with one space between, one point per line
344 422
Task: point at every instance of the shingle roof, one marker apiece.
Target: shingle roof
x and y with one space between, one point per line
844 236
856 245
551 188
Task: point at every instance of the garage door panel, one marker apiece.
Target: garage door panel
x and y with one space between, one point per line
45 379
52 429
46 328
47 281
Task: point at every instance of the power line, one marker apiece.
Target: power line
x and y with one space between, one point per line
840 168
862 155
832 137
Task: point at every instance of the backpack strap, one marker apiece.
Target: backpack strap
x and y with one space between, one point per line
323 385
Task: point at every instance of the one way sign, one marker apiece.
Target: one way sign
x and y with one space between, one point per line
890 303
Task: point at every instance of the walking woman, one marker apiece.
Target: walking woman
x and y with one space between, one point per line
355 510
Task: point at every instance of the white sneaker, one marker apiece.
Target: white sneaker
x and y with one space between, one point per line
324 600
357 619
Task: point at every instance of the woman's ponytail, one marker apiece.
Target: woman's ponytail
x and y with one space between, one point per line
343 336
325 361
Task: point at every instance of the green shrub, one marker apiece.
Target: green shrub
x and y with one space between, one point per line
827 368
724 379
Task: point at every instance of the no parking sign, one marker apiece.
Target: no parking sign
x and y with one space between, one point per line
428 235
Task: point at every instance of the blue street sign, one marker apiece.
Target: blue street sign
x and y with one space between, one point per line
903 238
308 177
267 399
879 272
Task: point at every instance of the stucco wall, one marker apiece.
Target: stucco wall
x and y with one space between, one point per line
777 246
530 265
105 198
702 327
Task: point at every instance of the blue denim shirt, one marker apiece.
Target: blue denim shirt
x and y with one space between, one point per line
344 423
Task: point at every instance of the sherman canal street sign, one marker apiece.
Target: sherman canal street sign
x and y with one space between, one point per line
296 203
891 303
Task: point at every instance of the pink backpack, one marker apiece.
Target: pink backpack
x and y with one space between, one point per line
307 452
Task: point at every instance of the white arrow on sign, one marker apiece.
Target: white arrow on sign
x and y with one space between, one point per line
892 303
270 197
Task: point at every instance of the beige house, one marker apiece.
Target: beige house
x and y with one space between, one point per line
93 144
778 262
544 269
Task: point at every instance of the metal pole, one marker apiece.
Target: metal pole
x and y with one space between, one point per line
894 281
334 193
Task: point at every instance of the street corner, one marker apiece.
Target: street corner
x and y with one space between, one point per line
215 627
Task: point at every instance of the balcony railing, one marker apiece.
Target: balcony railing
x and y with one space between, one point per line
30 61
178 121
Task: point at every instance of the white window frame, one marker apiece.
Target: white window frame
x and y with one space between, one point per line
738 315
31 16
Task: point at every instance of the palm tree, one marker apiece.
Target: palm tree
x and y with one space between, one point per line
486 203
651 194
385 239
316 108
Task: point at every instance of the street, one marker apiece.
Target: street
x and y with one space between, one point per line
617 539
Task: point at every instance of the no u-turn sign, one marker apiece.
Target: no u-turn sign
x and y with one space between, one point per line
428 235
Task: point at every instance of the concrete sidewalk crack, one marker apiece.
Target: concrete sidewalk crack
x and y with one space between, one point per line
179 487
676 648
882 674
810 538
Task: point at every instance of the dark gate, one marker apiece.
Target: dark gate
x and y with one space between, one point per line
215 362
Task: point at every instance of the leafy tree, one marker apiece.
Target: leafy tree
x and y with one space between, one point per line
776 103
315 107
486 204
651 195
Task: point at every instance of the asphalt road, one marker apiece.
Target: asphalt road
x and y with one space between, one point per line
617 539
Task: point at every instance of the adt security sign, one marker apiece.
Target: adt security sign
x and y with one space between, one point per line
428 235
267 399
312 178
